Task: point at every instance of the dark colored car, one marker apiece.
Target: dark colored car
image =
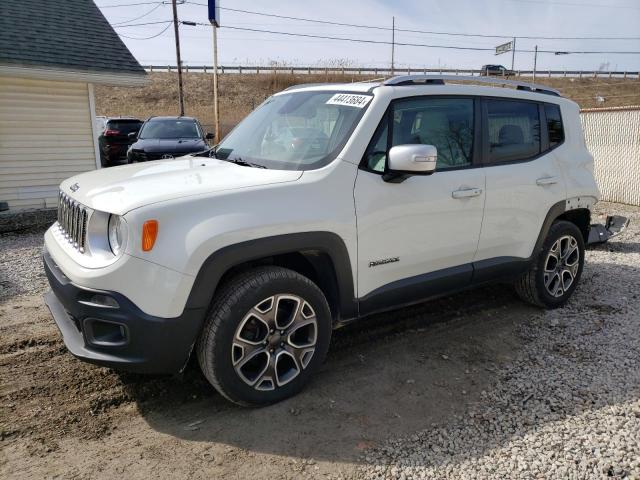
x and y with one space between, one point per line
114 140
495 70
166 138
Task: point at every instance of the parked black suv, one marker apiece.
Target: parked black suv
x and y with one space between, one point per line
493 70
114 140
166 138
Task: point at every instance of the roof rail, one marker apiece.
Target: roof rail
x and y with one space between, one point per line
441 79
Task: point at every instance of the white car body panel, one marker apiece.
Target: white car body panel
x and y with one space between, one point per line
416 221
203 205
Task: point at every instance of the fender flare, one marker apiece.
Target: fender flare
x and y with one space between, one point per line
221 261
554 212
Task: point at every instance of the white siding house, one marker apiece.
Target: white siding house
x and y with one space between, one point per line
47 116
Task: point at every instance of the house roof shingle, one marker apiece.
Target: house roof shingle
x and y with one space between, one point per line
70 34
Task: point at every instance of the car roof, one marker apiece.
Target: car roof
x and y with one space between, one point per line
440 84
167 117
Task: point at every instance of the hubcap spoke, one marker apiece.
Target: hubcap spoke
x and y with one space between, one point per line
275 341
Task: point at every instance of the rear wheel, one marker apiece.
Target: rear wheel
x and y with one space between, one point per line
555 273
268 331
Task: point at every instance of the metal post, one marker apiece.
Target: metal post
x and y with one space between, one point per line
393 43
513 53
535 60
177 36
216 113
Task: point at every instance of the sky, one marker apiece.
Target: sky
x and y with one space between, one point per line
507 18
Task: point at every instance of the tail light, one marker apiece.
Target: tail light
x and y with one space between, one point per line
111 133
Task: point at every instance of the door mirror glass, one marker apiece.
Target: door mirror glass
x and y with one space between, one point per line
413 159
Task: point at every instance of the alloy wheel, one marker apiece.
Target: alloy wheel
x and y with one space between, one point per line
561 265
275 341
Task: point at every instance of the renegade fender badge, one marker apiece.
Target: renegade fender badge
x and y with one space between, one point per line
384 261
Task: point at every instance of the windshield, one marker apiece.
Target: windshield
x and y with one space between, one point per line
169 128
295 131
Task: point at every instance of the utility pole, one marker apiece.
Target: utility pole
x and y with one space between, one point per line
535 60
177 35
393 44
513 54
216 111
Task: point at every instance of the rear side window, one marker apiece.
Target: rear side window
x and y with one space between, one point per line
554 124
513 129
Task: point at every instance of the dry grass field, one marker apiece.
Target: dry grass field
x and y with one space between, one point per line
239 94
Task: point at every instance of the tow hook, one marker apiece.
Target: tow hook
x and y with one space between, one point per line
614 225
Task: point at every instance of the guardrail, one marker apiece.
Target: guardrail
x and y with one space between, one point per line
383 72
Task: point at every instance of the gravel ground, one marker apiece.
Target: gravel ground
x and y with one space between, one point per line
567 407
20 259
476 385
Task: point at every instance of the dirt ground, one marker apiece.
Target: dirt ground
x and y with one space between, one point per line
387 376
240 94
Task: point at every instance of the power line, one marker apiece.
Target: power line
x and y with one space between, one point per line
597 5
140 24
141 16
382 42
127 4
148 38
375 27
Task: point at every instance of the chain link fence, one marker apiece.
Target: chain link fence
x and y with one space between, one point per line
613 138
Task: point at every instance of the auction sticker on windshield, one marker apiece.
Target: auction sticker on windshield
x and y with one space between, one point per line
349 100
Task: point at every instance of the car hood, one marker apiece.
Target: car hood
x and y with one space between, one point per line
178 145
122 189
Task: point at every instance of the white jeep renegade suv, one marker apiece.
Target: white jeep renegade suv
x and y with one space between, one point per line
326 204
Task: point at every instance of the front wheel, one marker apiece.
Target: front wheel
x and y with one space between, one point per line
555 273
268 331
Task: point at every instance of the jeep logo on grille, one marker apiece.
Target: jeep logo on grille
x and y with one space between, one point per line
74 187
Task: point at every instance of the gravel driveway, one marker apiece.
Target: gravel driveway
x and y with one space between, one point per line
568 406
477 385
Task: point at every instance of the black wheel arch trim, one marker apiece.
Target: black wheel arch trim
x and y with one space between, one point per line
223 260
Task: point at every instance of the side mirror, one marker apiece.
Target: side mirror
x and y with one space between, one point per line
132 135
407 160
209 136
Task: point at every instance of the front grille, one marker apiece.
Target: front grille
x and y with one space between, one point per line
72 219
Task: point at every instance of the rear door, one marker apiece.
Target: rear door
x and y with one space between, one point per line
522 175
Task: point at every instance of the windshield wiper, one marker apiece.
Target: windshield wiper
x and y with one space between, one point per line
240 161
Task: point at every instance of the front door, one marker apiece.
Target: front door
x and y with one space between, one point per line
420 236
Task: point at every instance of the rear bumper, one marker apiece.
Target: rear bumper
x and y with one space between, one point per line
123 336
614 225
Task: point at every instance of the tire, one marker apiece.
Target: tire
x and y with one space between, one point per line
554 275
232 351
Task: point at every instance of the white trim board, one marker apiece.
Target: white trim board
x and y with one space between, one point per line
106 78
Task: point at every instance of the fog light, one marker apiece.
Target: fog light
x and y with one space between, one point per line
101 301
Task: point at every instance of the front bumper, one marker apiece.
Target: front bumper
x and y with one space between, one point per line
123 336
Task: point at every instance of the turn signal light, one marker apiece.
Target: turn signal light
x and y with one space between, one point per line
149 234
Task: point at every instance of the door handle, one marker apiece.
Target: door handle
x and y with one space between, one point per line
466 193
546 181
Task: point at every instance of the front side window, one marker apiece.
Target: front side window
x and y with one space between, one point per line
295 131
513 129
445 123
554 124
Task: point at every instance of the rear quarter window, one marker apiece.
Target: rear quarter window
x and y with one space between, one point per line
554 124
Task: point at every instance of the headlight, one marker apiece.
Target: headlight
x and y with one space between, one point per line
116 233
